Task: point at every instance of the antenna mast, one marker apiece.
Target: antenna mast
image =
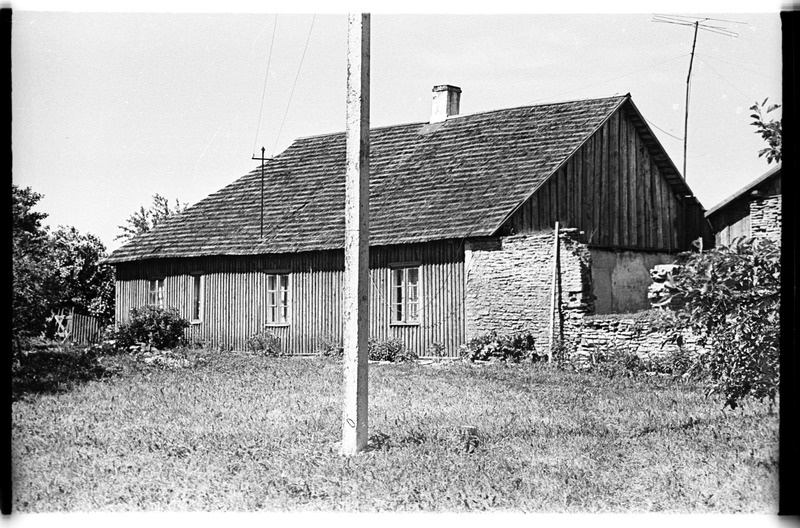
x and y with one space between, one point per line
696 23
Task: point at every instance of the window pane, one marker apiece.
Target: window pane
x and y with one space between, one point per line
413 276
271 283
196 297
284 282
412 312
397 277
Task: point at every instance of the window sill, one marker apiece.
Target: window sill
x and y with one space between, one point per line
195 322
394 323
277 325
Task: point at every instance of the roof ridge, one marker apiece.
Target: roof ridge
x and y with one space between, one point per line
472 114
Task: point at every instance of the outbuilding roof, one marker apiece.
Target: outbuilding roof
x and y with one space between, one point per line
459 178
774 171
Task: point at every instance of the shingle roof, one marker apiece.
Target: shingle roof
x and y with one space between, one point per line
454 179
774 171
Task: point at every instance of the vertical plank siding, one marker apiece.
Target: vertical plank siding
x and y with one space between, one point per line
614 190
234 296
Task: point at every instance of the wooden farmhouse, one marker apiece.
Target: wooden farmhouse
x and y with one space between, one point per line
752 211
462 216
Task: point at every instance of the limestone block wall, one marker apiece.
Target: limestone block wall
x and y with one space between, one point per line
765 218
509 284
604 334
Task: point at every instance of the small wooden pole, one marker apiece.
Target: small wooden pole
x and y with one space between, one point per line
553 295
356 237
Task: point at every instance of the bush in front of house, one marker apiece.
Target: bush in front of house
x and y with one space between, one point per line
389 350
504 347
731 296
150 326
266 343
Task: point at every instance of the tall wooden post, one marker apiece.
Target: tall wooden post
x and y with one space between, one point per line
356 237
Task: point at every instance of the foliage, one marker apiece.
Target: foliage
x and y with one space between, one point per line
510 348
265 342
79 280
31 266
151 326
389 350
677 363
770 130
330 346
52 271
146 219
731 295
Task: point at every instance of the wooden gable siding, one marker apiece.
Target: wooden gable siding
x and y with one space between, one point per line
235 295
614 190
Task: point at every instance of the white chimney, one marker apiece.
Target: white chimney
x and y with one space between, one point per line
446 102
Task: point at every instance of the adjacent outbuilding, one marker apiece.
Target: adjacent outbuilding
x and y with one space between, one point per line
754 210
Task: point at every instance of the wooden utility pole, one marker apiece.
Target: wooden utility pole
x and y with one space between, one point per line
356 237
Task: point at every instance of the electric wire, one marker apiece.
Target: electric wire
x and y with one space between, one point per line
266 76
664 131
726 80
308 38
614 78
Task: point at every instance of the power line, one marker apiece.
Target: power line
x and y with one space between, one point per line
266 76
709 56
661 129
726 80
614 78
308 38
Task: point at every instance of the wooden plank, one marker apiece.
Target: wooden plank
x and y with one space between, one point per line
633 187
614 206
589 201
535 211
605 236
625 186
645 224
639 218
577 165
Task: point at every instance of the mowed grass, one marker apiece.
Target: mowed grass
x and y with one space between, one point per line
252 433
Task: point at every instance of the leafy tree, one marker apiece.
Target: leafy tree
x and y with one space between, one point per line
145 220
80 281
54 270
30 249
732 298
770 130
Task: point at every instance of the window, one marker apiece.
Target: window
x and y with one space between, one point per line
155 292
278 298
405 295
197 298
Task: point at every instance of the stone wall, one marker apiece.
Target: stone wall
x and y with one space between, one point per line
765 218
509 284
632 334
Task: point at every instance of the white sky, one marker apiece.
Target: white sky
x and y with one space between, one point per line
111 108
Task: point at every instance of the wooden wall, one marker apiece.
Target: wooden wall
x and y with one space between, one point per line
614 189
235 295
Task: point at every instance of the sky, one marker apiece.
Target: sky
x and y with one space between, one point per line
111 108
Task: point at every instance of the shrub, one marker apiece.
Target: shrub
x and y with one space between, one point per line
265 342
389 350
731 295
329 346
153 327
510 348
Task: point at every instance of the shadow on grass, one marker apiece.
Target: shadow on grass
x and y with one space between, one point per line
55 370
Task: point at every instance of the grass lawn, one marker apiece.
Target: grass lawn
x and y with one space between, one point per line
244 432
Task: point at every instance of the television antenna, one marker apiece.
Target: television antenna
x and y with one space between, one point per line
698 23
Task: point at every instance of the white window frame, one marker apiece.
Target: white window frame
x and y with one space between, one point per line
282 316
400 299
159 290
197 298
